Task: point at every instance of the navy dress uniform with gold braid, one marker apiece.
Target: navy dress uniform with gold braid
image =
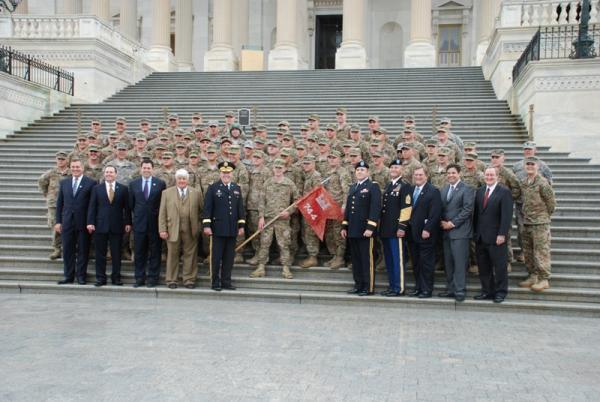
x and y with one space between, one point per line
224 215
363 208
395 213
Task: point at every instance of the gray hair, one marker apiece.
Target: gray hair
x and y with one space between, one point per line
182 173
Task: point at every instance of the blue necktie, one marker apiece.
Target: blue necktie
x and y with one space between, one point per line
416 194
450 190
75 185
146 189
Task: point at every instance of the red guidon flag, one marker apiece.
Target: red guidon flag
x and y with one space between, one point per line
318 206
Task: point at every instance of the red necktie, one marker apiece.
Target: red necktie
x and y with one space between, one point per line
486 196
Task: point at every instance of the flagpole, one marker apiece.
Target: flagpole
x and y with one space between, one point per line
269 223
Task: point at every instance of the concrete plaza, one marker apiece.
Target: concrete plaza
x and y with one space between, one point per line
86 348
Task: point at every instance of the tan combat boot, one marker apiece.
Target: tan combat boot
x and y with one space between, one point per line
527 283
259 272
380 267
286 273
540 285
238 259
253 260
309 262
509 267
337 263
473 269
55 254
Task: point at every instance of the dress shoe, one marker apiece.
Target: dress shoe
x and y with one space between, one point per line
172 286
498 299
230 287
385 292
189 286
414 293
138 284
391 293
364 293
99 284
81 282
117 283
446 294
151 285
483 296
352 291
216 288
65 282
459 297
424 295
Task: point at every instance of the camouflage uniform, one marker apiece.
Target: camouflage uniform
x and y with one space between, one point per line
474 179
311 241
208 175
48 184
338 185
538 205
281 195
125 170
381 177
437 176
94 172
408 167
295 175
167 175
258 177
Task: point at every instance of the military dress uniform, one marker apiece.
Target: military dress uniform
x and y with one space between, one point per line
224 214
395 213
363 207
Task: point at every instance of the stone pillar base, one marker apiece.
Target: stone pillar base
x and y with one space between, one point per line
160 58
219 59
350 55
419 54
284 57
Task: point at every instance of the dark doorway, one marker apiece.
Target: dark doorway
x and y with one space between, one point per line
328 39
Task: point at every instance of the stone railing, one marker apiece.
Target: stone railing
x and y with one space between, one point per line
534 13
65 27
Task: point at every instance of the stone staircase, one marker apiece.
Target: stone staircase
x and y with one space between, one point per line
459 93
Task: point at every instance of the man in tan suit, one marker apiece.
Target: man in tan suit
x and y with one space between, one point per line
179 225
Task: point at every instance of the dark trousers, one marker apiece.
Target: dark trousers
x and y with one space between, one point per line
363 263
102 242
147 249
76 250
492 261
222 253
423 258
394 250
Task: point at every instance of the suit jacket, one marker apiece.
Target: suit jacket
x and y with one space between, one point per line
223 209
459 210
71 212
496 218
426 213
106 216
396 208
363 207
145 212
168 216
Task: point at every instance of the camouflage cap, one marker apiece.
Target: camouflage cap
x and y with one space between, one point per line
167 155
355 127
444 151
373 118
312 138
354 152
230 113
180 132
278 163
408 130
283 123
431 143
122 146
287 137
314 117
180 145
199 129
146 155
497 152
529 145
120 119
249 144
82 137
187 137
331 127
531 159
445 120
272 143
62 154
323 141
383 131
159 146
470 144
225 139
140 136
173 116
205 139
285 152
259 140
308 159
442 130
470 156
194 154
197 115
341 110
162 125
375 141
408 145
300 146
303 127
234 149
211 149
258 154
235 126
261 127
348 144
92 136
95 120
376 153
282 131
335 153
142 121
409 117
213 123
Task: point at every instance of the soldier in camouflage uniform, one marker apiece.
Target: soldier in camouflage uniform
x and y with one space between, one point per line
193 168
166 172
354 156
331 136
80 149
470 147
241 177
312 178
338 186
180 158
209 172
437 176
313 121
322 161
281 195
431 151
343 128
455 155
48 184
409 163
538 205
295 174
93 168
259 175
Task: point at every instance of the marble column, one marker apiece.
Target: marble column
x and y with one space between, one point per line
285 54
101 9
72 7
239 26
129 19
220 56
484 24
183 35
420 51
351 53
23 8
160 57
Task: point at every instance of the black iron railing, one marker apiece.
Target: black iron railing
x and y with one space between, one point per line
555 42
30 69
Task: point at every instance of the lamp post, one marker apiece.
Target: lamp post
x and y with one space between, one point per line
584 45
10 5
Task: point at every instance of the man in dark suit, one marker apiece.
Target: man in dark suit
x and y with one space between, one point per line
457 215
144 203
491 222
71 215
424 226
223 221
395 213
361 217
109 217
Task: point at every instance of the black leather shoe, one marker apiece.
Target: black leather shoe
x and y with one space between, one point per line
445 294
151 284
172 286
99 284
385 292
424 295
459 297
81 282
117 283
65 282
391 293
483 296
352 291
230 287
138 284
414 293
216 288
498 299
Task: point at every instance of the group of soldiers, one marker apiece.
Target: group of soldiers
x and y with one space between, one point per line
275 170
